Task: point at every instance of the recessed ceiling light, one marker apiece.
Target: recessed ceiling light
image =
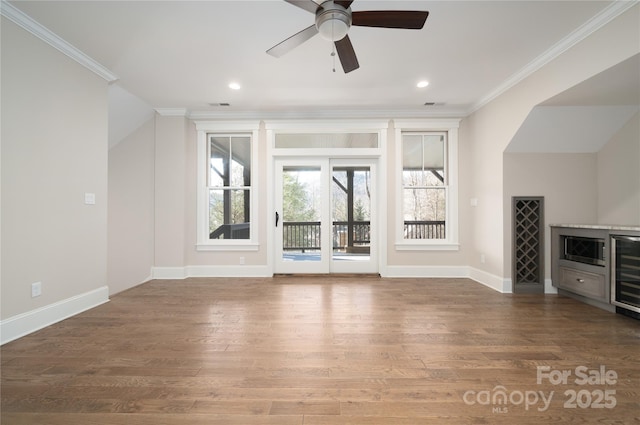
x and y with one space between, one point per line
422 84
234 86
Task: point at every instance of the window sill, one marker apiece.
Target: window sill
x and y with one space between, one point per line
228 246
427 246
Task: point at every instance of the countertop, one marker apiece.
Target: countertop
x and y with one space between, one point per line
600 226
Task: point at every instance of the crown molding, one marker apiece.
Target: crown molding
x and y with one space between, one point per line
24 21
615 9
328 114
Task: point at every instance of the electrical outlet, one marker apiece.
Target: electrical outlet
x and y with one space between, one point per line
36 289
242 261
482 258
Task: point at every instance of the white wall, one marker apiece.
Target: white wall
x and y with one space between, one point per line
54 150
618 173
489 130
131 209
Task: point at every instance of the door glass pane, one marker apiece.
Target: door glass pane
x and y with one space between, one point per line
301 200
351 213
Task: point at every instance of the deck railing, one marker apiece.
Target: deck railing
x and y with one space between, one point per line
305 235
301 235
424 230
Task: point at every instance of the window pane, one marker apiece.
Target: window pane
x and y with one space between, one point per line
434 177
229 214
241 161
219 162
424 213
412 160
423 160
326 140
433 151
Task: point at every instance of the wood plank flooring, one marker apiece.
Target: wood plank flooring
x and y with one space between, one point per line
325 350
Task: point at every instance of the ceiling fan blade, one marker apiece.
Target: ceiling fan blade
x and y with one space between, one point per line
308 5
344 3
347 55
406 19
292 42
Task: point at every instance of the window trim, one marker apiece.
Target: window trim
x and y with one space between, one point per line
225 128
450 127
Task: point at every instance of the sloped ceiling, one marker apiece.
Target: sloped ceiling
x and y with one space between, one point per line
585 117
126 114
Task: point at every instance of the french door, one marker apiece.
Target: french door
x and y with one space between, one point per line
325 218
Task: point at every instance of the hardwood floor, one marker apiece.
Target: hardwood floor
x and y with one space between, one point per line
325 350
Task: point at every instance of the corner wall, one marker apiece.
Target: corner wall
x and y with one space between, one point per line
131 209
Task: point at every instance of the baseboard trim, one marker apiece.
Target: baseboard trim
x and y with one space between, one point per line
549 288
497 283
426 271
229 271
23 324
489 280
168 273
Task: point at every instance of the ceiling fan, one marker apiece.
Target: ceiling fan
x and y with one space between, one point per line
333 20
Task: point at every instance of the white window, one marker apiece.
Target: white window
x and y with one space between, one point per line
226 175
427 193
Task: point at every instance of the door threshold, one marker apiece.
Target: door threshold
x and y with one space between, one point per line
349 275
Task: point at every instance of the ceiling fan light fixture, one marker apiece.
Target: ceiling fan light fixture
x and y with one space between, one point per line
333 22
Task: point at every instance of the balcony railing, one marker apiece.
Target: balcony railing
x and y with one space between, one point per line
424 230
305 235
301 235
231 231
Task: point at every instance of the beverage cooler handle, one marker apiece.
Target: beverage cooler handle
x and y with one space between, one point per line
628 238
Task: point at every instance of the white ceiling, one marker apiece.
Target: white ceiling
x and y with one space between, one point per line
183 54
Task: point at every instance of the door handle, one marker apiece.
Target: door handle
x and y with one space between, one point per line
277 218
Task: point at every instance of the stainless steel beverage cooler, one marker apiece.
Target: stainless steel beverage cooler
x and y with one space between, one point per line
625 273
